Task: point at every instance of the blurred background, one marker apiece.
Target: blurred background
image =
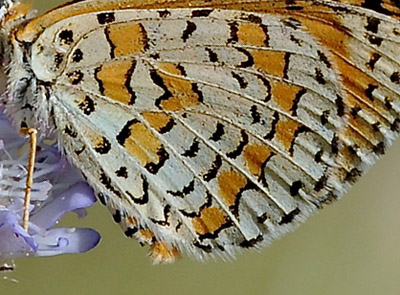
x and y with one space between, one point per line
350 247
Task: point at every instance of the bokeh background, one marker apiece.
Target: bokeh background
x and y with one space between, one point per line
350 247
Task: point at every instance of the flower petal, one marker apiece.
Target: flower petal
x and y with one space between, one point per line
78 196
67 240
15 241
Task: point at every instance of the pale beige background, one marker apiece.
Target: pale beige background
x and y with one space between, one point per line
351 247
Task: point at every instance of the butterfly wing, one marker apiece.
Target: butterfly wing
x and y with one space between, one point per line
211 130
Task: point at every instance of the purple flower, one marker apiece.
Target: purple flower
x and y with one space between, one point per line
58 189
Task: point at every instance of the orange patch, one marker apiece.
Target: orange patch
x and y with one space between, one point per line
356 82
270 62
210 220
327 32
351 135
284 94
128 38
181 90
365 129
160 253
230 183
285 132
251 34
156 120
113 76
142 144
255 156
146 234
132 220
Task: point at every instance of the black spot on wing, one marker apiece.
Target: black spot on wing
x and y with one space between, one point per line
296 101
250 60
324 59
66 36
103 146
201 12
375 40
165 222
268 87
335 145
190 28
164 13
339 105
369 91
239 149
198 92
163 156
321 183
167 127
253 18
319 76
186 190
98 80
157 79
270 135
87 105
77 55
286 66
127 84
205 248
68 129
213 171
372 24
106 181
241 81
251 243
234 29
122 172
318 156
373 60
110 42
218 133
352 175
288 218
324 117
192 150
379 149
117 216
130 231
75 77
105 18
212 55
125 132
255 114
295 187
297 132
144 198
58 59
103 198
395 78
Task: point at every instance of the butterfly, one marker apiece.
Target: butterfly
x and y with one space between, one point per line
209 127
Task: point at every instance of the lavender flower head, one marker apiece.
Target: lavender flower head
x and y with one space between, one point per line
57 190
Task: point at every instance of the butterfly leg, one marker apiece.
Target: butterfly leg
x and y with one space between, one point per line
32 132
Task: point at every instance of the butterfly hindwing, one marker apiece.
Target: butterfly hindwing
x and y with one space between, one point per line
219 127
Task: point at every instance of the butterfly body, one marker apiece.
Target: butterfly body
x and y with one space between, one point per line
211 127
